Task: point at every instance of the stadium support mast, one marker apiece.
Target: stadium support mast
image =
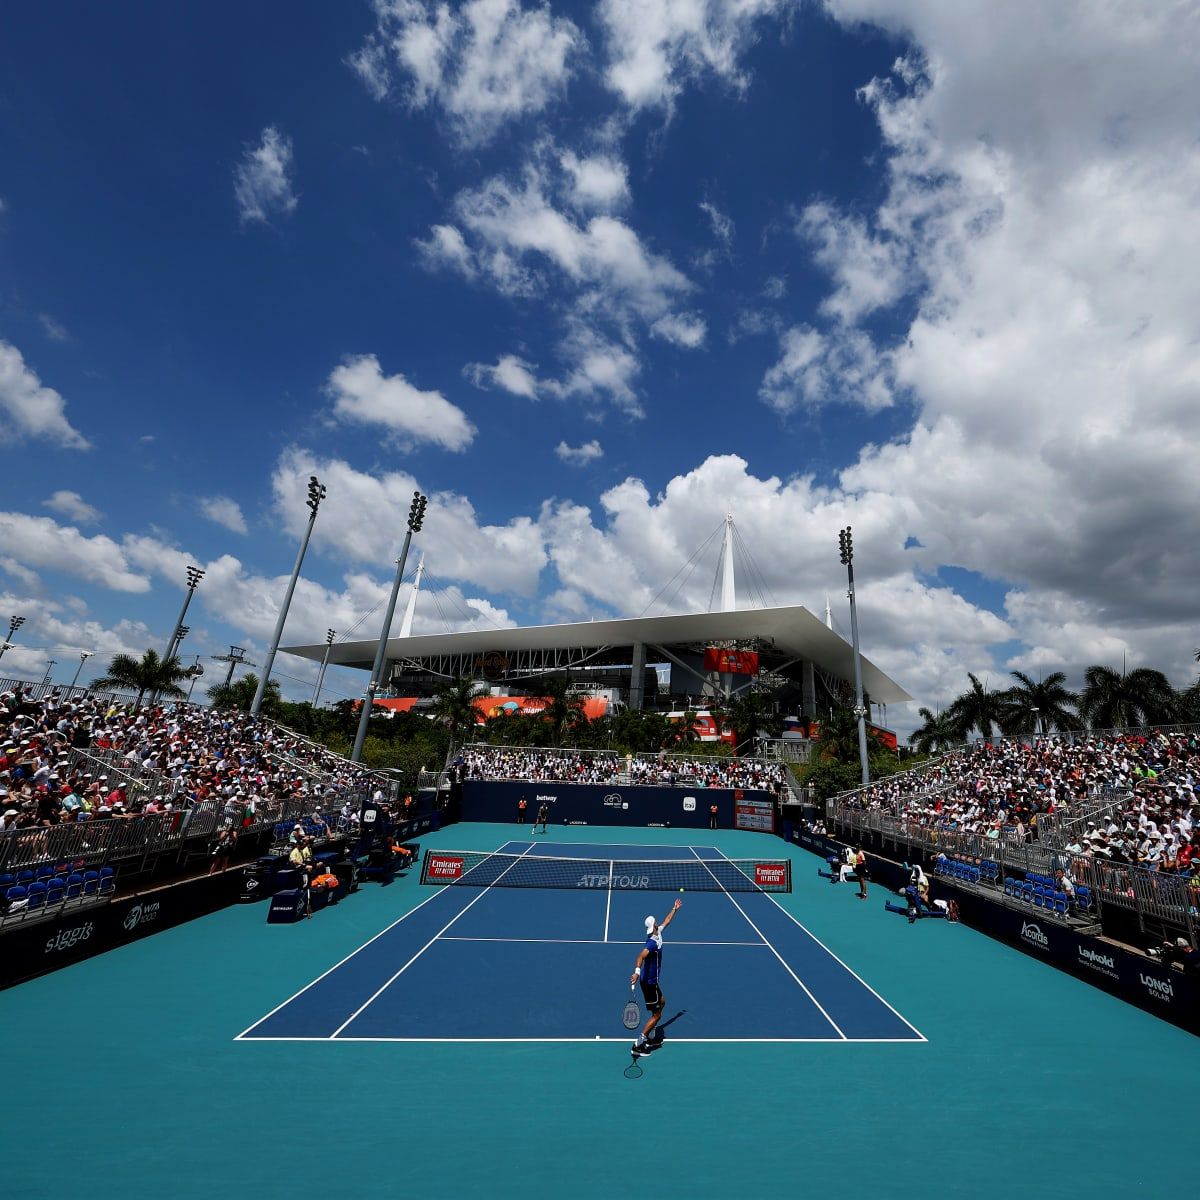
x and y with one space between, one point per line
846 543
411 608
728 583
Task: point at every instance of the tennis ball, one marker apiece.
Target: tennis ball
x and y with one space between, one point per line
681 889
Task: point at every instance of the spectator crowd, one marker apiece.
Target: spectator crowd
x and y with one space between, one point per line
609 767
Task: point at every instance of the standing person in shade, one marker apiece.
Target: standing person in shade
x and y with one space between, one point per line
543 816
522 805
712 816
860 871
648 971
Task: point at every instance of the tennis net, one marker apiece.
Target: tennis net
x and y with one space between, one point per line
479 868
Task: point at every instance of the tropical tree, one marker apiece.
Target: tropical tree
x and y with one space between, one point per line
149 674
452 705
1042 706
239 694
977 708
1112 700
752 715
838 739
939 732
681 735
564 707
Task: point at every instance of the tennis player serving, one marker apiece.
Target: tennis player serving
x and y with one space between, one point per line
648 969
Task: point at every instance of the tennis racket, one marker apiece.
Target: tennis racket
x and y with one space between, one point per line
633 1015
633 1071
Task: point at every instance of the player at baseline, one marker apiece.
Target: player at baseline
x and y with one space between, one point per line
648 969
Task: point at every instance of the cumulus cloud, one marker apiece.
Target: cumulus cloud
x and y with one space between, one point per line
29 408
363 395
509 373
41 542
482 64
73 506
225 512
504 558
653 50
262 180
579 456
599 182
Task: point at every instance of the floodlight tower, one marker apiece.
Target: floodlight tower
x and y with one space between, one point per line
846 545
316 493
329 636
416 517
14 624
194 575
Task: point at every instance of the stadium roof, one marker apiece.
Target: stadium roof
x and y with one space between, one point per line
793 630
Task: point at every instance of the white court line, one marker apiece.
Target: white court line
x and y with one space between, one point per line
608 903
775 952
592 1041
591 941
482 892
314 982
840 963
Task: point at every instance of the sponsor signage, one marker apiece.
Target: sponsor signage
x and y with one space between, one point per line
770 874
613 800
1032 933
1160 989
141 914
64 939
731 662
689 804
758 815
1095 960
445 866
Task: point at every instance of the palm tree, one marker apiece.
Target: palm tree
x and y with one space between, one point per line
1043 706
939 732
1110 700
151 674
977 708
838 739
240 694
452 705
564 707
751 715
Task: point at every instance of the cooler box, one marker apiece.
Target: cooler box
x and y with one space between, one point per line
287 907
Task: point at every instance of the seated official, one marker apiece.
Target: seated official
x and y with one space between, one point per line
301 856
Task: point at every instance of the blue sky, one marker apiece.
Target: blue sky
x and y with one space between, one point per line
592 276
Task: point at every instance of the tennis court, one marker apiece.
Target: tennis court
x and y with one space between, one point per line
554 930
124 1070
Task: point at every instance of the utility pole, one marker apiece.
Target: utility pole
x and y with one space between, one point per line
846 544
235 658
416 516
316 493
49 668
84 655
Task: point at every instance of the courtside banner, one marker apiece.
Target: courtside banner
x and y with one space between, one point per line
731 662
771 875
443 866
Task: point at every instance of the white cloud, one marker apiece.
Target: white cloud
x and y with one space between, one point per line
363 395
504 558
815 369
510 374
720 223
599 182
681 329
31 408
446 247
41 542
483 64
654 49
579 456
224 511
73 506
53 329
262 181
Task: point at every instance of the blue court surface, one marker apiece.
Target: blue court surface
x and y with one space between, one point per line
791 1064
737 967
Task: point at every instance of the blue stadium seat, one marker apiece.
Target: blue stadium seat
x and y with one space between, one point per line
25 878
91 882
74 885
6 881
43 871
1060 903
1008 885
1027 892
108 880
56 890
37 894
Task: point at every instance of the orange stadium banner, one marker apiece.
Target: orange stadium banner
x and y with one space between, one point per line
731 662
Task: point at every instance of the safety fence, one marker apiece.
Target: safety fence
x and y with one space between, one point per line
1157 898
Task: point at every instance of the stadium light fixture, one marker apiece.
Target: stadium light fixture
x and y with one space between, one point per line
846 547
14 624
316 493
84 655
329 637
416 518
